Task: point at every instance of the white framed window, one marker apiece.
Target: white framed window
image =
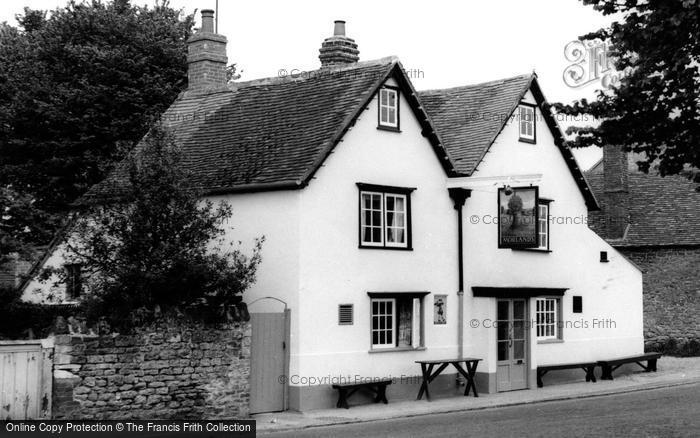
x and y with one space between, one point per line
543 225
395 219
397 321
372 217
385 217
547 315
526 123
389 107
383 323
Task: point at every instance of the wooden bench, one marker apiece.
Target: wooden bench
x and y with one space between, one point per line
611 365
345 390
588 367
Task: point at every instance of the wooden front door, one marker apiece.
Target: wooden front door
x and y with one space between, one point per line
511 344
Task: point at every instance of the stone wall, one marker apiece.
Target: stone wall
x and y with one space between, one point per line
165 371
671 299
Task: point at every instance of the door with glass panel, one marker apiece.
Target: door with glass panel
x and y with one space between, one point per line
511 344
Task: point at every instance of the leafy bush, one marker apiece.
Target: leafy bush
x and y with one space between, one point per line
161 247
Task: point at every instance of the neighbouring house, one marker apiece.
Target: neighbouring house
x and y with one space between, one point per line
13 271
400 226
655 222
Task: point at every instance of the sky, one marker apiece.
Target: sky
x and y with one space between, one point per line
440 43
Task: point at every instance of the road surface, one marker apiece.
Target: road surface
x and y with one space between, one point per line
666 412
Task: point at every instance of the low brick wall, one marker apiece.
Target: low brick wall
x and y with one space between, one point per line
671 299
165 371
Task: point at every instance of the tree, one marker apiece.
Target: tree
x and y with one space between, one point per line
20 224
655 109
163 248
78 88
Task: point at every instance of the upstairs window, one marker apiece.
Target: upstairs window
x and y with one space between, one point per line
74 282
526 123
385 217
389 108
543 225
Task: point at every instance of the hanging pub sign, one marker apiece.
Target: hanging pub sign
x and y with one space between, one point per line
517 217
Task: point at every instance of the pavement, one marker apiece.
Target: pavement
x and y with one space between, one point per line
672 371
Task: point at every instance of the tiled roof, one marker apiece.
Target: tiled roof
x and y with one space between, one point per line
266 134
469 118
664 211
275 133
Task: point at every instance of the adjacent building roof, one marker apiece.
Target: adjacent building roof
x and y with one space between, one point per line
469 119
663 211
272 133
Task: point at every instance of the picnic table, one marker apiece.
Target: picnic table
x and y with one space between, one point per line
429 375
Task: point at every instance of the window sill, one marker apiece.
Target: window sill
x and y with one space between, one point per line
550 341
391 248
543 251
388 128
391 350
527 140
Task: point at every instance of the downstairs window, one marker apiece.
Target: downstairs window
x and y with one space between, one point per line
396 320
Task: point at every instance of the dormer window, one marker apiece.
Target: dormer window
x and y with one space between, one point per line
389 108
526 122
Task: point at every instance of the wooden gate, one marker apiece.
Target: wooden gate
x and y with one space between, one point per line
269 361
25 380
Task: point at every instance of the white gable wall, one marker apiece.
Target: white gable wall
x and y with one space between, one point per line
611 291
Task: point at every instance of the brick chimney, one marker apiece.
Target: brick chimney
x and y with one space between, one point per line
206 58
616 191
338 49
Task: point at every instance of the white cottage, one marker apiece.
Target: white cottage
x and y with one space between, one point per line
381 208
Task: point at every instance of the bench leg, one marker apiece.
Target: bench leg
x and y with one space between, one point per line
426 370
471 373
342 399
381 394
590 374
651 365
540 384
607 372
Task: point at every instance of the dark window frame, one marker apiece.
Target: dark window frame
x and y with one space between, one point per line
381 126
74 281
384 190
547 250
548 203
522 139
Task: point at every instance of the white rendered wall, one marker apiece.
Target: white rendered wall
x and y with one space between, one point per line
335 271
611 322
274 215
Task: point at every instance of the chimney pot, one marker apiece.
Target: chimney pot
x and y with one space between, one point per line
339 28
207 20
